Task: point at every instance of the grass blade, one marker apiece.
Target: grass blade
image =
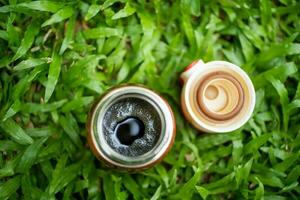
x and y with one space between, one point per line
27 41
186 190
66 176
68 35
156 195
284 99
54 71
102 32
92 11
31 62
16 132
47 6
61 15
29 156
70 126
125 12
40 108
9 187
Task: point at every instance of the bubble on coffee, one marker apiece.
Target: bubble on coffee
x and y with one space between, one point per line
135 118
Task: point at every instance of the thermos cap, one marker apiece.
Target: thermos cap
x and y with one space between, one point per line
217 96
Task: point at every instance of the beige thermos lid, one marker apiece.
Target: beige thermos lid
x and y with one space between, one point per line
217 96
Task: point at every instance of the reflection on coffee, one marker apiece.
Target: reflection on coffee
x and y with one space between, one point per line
131 126
129 130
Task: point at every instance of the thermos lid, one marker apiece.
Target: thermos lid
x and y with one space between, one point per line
217 96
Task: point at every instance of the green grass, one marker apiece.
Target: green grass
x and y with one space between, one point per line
56 57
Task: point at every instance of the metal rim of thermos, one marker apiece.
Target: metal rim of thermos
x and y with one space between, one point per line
100 146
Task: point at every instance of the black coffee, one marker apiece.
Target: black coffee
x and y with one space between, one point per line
131 126
128 130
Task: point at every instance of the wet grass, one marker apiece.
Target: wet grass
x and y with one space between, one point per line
56 57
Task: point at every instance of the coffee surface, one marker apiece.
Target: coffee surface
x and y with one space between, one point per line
128 130
131 126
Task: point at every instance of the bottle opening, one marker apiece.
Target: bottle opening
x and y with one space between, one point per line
131 126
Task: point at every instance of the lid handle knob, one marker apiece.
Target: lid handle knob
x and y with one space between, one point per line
189 70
